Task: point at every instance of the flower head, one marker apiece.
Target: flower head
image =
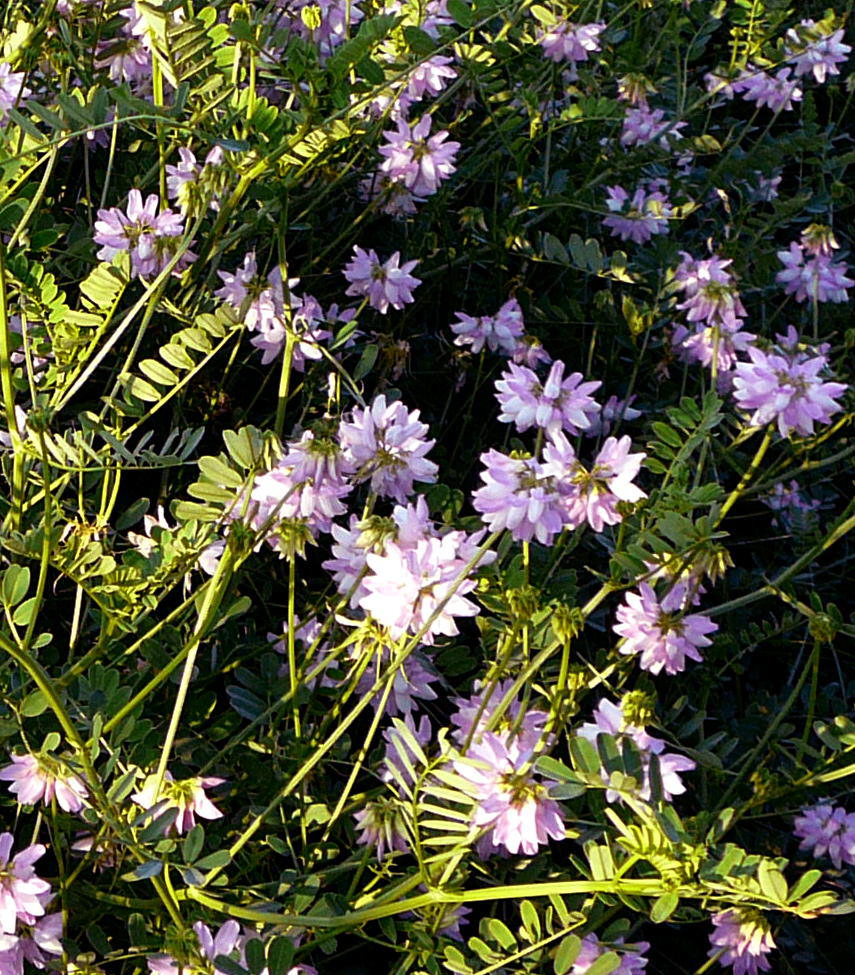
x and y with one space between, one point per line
642 125
812 50
659 631
501 332
564 41
786 387
186 796
511 802
639 217
827 830
593 494
777 91
150 236
521 495
384 284
415 588
746 939
385 443
41 777
552 405
416 159
632 960
23 895
813 275
609 718
12 89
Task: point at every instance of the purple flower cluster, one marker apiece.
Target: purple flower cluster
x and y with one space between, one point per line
271 308
785 386
383 284
185 179
641 216
552 405
324 23
609 719
386 445
810 271
660 631
27 933
415 588
12 89
299 497
793 511
41 778
827 830
742 939
564 41
814 51
151 237
642 125
632 960
414 165
187 797
511 803
776 91
128 57
406 575
713 310
537 499
502 332
593 494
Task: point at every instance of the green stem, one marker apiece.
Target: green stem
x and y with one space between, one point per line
206 615
745 480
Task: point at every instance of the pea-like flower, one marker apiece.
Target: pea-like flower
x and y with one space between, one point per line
41 778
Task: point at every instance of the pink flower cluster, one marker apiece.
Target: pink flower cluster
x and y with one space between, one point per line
385 285
564 41
272 309
303 492
742 939
227 942
609 719
660 631
386 444
794 511
414 579
776 91
185 178
641 216
632 960
337 20
187 797
827 830
812 50
128 57
41 778
785 386
642 125
151 237
12 89
538 499
713 310
552 405
512 804
27 933
414 165
810 271
503 332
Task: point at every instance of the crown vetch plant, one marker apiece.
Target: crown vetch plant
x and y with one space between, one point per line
426 537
